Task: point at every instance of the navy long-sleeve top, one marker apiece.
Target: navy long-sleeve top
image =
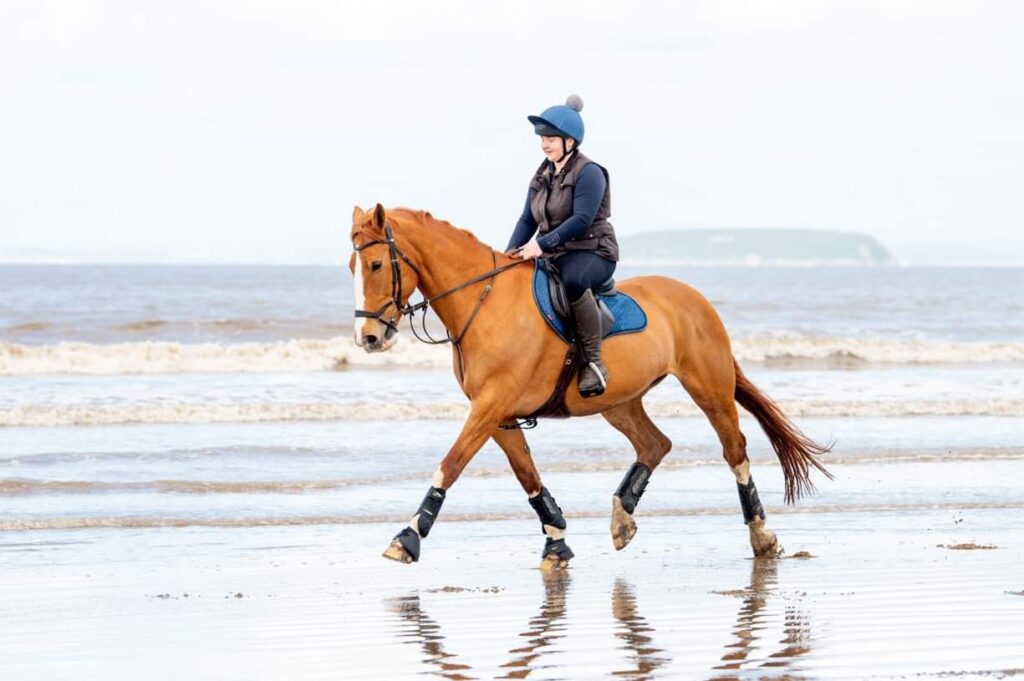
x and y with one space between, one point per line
586 199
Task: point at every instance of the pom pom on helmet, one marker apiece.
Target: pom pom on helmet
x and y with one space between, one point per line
574 102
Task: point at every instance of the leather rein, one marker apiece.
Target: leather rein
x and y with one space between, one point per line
410 309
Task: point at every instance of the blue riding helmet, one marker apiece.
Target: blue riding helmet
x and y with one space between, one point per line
562 120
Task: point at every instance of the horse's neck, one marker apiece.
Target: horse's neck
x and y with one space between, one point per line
447 260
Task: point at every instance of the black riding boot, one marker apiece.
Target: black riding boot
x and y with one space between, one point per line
594 377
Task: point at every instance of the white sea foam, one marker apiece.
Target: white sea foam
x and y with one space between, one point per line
309 355
874 350
169 357
50 415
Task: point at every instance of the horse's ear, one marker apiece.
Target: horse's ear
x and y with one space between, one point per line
379 216
357 213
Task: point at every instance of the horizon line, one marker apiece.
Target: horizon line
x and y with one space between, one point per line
627 262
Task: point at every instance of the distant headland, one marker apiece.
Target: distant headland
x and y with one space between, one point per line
762 246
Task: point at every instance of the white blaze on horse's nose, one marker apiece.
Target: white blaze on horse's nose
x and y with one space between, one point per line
359 298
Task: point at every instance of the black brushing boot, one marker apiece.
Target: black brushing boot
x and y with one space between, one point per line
594 375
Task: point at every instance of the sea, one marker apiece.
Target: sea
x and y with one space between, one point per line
177 396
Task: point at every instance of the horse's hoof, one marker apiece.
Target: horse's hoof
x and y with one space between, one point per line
397 552
556 555
764 542
553 563
623 525
405 547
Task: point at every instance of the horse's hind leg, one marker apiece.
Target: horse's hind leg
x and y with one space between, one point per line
556 553
719 405
651 446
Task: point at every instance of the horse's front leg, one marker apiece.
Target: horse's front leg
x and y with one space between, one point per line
484 417
556 553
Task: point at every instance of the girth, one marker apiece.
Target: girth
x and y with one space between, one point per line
555 406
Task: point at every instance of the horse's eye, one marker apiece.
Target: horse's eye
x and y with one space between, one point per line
375 266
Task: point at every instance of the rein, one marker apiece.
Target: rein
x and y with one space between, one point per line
424 305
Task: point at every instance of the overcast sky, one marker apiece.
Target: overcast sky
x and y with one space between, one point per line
245 131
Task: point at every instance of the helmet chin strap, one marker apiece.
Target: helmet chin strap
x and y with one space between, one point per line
565 151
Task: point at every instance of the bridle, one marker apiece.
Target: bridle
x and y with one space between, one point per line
403 308
396 283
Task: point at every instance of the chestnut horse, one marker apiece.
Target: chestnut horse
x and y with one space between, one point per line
507 361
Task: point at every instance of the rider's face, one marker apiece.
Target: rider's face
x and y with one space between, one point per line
552 146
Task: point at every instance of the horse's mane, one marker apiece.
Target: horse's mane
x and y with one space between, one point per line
423 215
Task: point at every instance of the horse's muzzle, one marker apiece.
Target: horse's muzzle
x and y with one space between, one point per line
371 342
376 342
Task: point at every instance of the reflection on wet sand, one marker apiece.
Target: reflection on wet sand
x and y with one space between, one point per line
744 653
753 618
422 628
635 631
544 629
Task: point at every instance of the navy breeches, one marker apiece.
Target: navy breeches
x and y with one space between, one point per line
582 270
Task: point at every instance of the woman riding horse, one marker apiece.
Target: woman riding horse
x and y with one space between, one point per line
568 206
483 299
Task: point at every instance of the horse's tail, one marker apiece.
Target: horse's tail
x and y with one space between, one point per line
796 452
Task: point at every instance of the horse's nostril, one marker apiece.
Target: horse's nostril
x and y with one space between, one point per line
370 339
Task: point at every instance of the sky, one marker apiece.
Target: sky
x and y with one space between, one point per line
246 131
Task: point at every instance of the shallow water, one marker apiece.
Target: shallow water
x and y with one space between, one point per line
108 304
212 431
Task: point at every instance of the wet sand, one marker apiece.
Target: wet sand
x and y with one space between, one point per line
864 594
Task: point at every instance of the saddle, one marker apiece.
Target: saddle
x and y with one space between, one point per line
560 301
619 314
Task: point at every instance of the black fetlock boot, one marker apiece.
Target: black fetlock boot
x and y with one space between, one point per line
594 376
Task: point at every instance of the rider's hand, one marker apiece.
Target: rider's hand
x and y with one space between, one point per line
531 250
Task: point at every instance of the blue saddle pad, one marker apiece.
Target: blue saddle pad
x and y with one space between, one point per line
629 316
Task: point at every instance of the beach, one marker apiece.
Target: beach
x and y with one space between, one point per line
199 472
883 594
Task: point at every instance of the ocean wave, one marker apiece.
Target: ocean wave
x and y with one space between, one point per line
79 415
584 460
22 486
142 325
169 357
158 328
28 327
32 486
143 522
312 355
228 325
875 350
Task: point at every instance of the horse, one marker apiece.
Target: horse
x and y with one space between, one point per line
506 360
